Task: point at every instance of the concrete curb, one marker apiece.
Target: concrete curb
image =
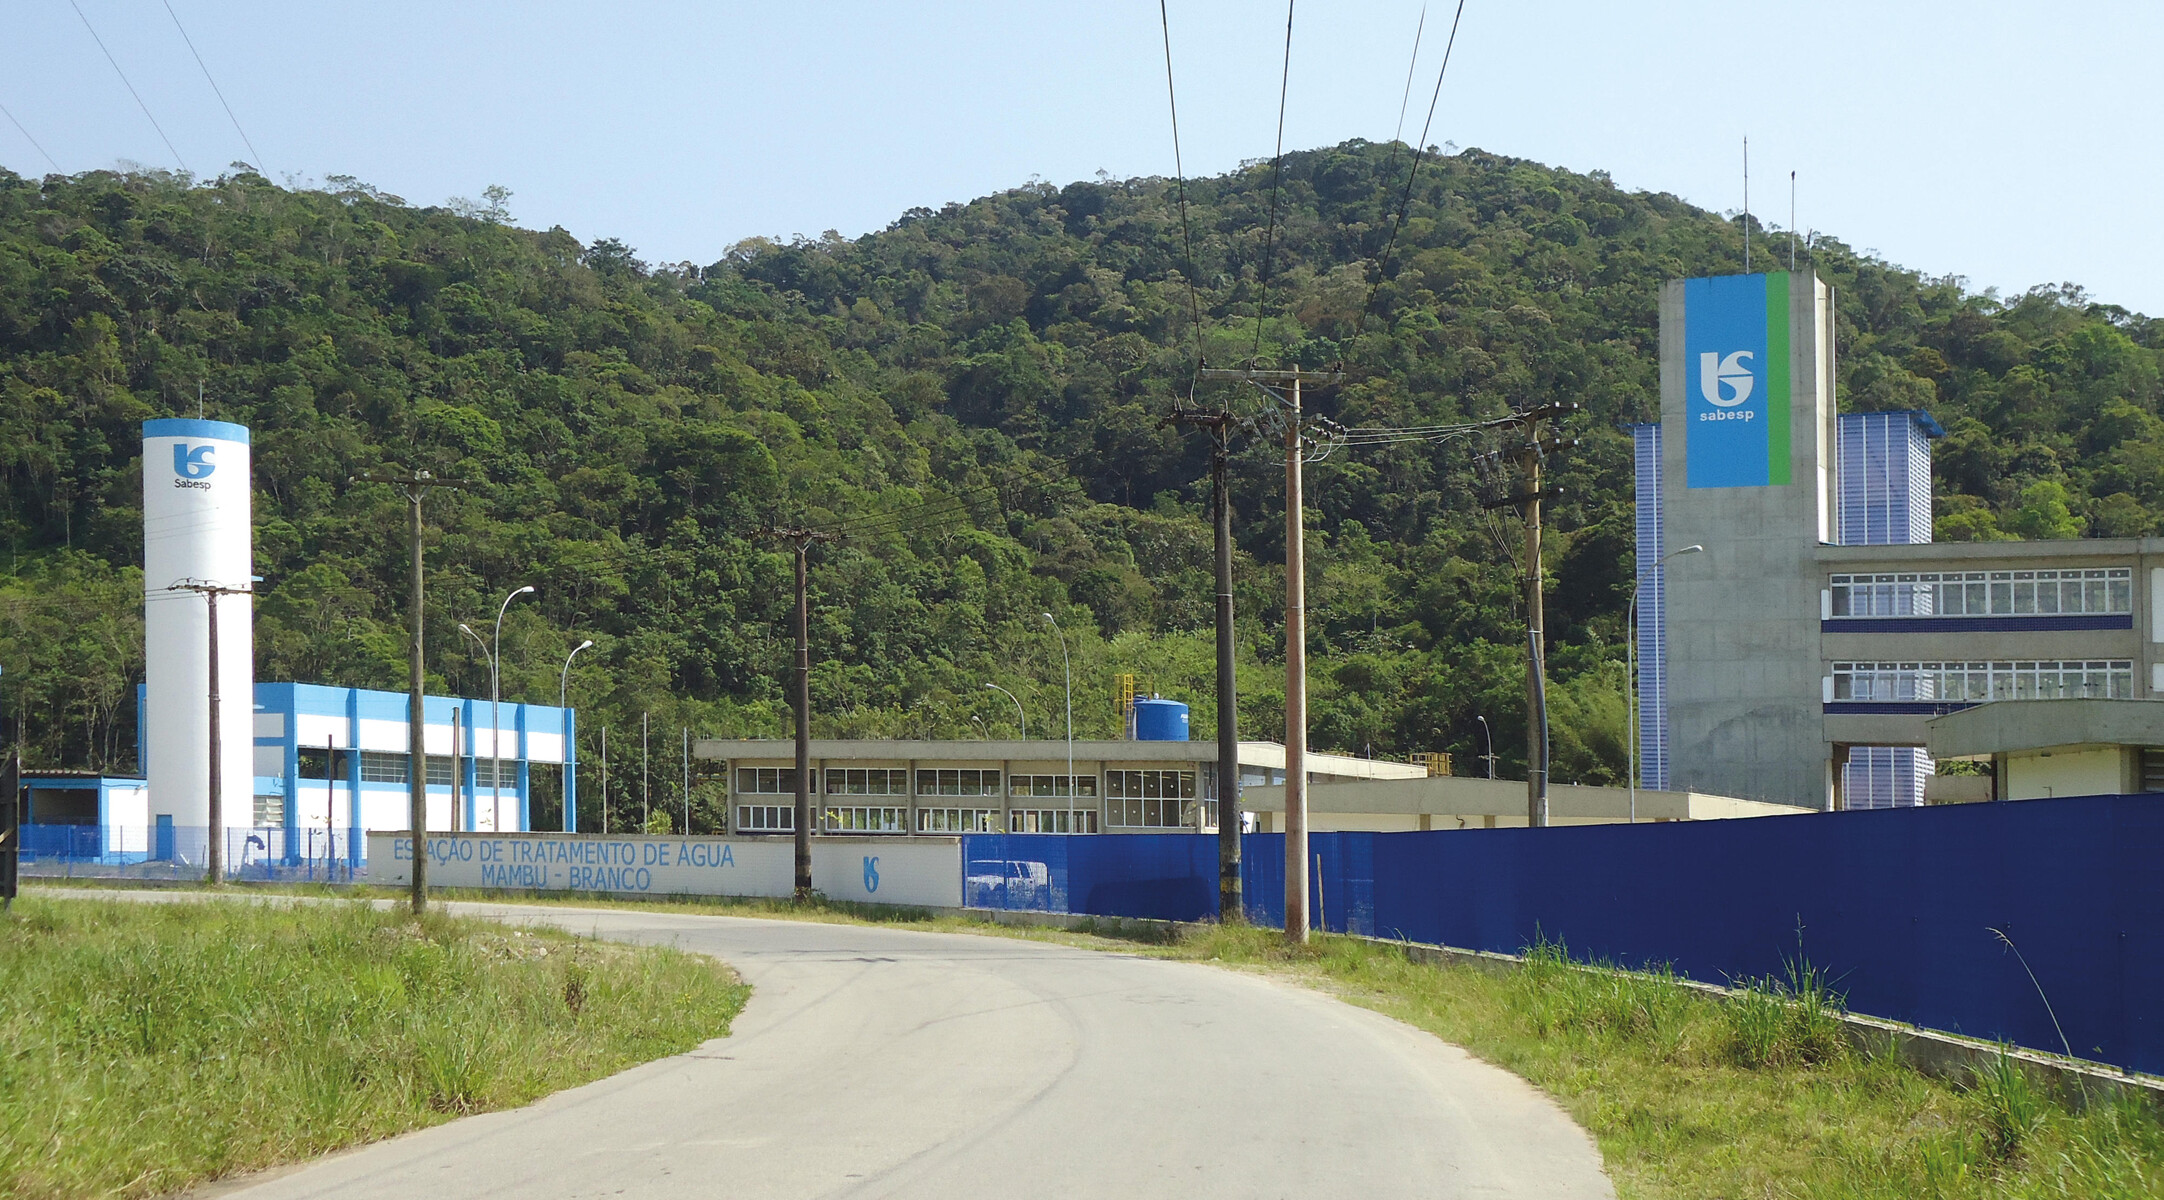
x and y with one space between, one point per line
2075 1082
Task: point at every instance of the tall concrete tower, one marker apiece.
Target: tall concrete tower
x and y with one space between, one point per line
196 531
1745 468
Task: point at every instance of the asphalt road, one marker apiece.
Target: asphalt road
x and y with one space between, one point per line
874 1063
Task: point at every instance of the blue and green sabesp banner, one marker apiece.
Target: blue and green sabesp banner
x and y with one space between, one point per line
1736 369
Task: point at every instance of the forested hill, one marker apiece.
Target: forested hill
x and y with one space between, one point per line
976 395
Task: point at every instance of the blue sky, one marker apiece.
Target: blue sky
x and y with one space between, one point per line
2014 144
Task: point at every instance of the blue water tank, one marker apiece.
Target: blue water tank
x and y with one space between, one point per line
1160 720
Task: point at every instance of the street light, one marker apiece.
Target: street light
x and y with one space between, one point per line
1488 736
1630 676
494 653
1068 666
571 769
993 687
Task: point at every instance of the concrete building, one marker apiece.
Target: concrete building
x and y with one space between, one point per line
1799 657
1446 802
876 786
2044 748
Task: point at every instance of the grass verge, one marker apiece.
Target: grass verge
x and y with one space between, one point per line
1693 1096
1690 1096
148 1047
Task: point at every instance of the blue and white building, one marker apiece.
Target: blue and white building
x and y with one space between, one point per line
337 757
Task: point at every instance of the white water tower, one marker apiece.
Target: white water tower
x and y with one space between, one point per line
197 535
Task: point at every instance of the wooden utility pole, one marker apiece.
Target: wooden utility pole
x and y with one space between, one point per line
1291 422
1531 457
214 852
416 486
1230 907
801 541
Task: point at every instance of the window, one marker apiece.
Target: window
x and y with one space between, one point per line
765 818
868 819
873 781
766 781
1150 799
1051 820
957 820
382 768
481 769
948 781
270 812
314 763
1052 785
1974 682
1984 593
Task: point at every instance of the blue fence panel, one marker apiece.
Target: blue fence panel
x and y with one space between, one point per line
180 852
1897 906
1171 875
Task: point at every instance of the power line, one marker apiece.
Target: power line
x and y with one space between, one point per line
1179 175
131 87
1397 135
214 85
1405 203
26 135
1277 174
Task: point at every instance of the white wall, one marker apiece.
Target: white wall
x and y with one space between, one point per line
919 871
2090 772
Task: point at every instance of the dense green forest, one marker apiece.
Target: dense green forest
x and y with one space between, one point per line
974 396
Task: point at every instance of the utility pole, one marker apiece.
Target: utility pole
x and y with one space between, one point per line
1230 907
646 790
416 486
687 781
214 853
1292 422
801 541
604 781
1531 457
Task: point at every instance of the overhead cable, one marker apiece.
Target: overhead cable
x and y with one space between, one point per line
1397 136
26 135
1405 204
257 155
1277 174
131 87
1179 175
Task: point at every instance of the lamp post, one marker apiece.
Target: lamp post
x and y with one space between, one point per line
456 765
1487 736
1630 676
1018 710
571 766
1067 666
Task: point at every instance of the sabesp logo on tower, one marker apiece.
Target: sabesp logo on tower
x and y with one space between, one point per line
1736 368
192 467
1716 372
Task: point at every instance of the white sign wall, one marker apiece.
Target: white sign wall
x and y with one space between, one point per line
913 871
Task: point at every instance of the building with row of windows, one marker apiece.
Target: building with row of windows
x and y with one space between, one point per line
1798 657
943 787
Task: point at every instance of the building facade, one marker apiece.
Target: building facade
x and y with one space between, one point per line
938 787
1799 656
336 757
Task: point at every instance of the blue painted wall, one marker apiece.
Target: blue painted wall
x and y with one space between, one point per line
1896 906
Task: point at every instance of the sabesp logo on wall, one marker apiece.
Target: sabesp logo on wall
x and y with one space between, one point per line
1736 413
193 467
1716 373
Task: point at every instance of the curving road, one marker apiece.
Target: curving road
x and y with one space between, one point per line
875 1062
